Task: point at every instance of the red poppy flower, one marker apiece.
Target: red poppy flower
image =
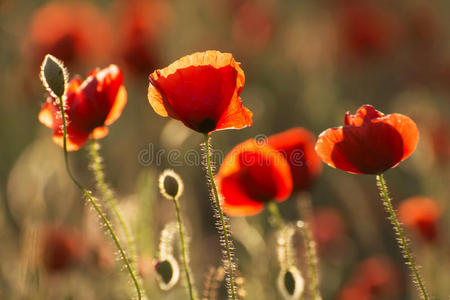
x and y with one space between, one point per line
366 29
70 31
297 146
420 214
201 90
369 143
89 107
374 277
61 249
251 175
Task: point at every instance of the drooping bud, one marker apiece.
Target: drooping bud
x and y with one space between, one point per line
54 76
168 272
291 283
170 184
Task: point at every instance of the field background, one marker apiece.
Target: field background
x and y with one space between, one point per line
306 64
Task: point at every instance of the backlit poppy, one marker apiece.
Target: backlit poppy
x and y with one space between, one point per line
297 146
201 90
251 175
90 106
369 142
420 214
70 30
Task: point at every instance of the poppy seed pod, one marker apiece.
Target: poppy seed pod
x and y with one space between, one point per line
168 272
291 283
170 184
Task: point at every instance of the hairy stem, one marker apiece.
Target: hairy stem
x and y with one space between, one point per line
402 240
96 164
95 205
184 251
224 232
311 253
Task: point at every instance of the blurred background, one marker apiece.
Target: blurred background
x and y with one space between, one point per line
306 64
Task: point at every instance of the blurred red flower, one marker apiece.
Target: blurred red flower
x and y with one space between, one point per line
71 31
201 90
90 106
61 249
251 175
366 29
252 27
375 278
440 140
141 23
420 214
327 226
297 146
369 142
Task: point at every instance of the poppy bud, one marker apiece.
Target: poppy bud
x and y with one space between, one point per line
54 76
290 283
168 272
170 184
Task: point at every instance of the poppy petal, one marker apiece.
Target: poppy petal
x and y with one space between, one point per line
118 106
100 132
364 114
236 116
297 146
251 175
325 148
74 140
237 203
46 115
407 130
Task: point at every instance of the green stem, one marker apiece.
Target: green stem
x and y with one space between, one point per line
107 193
276 215
311 253
227 240
95 205
184 250
402 240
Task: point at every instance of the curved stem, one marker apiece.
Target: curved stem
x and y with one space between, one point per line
184 250
95 205
311 254
107 193
227 240
402 240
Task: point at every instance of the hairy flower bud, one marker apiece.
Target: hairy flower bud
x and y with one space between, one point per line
54 76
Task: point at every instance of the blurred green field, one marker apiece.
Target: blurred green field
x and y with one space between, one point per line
306 63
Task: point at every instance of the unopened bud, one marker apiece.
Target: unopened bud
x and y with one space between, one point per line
54 76
291 283
170 184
